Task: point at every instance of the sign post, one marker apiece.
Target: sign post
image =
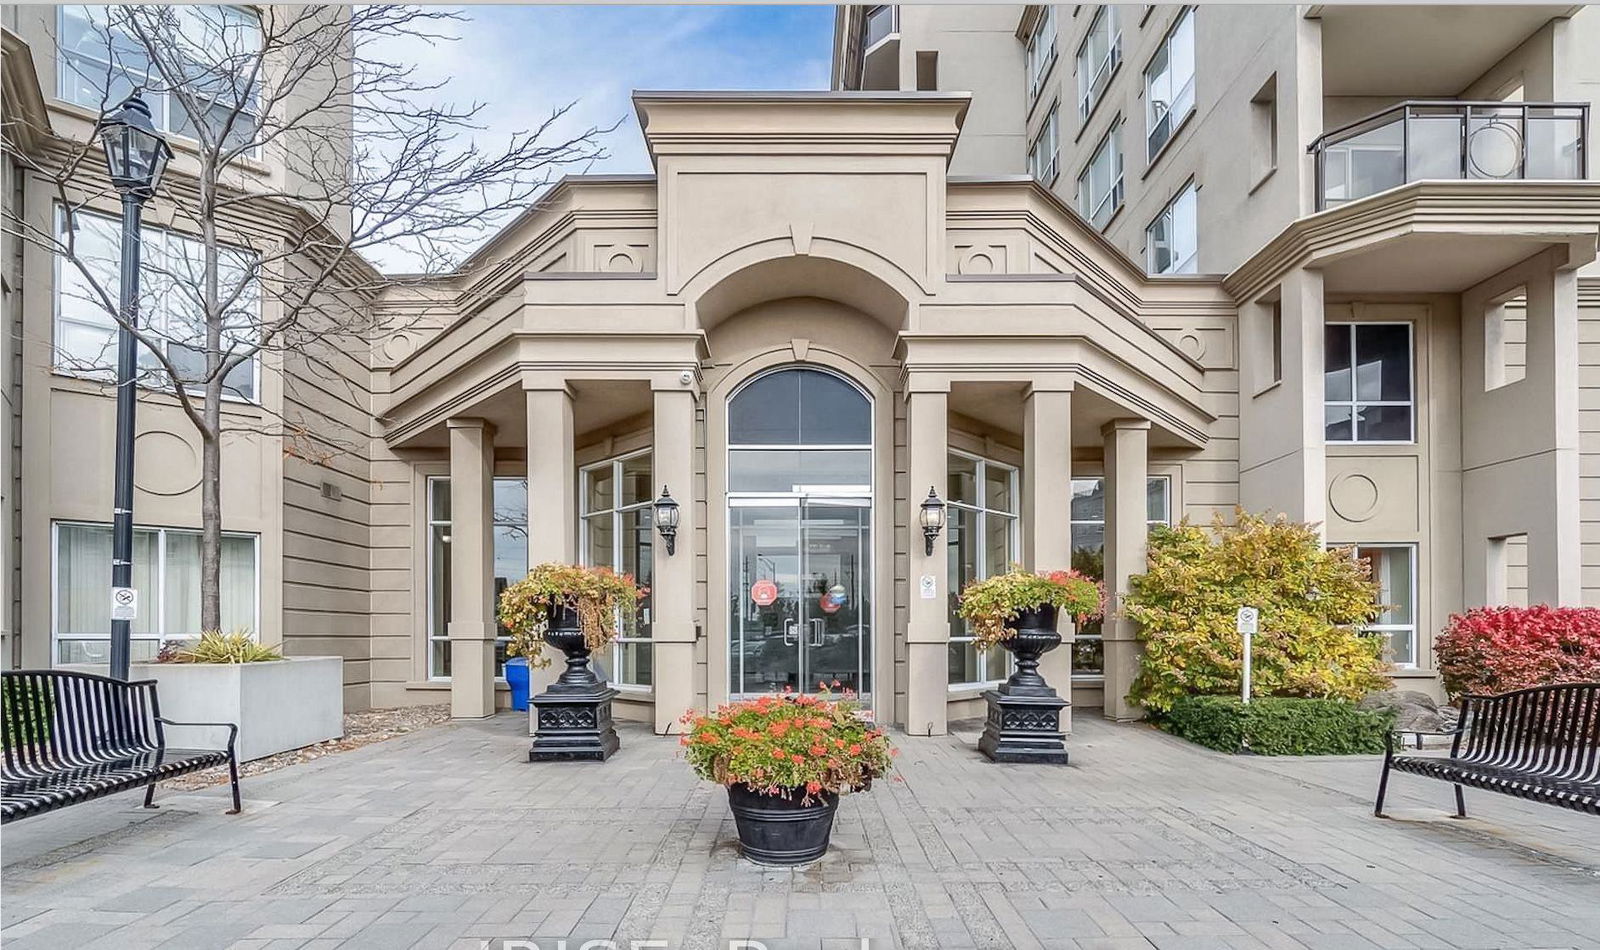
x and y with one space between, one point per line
1247 620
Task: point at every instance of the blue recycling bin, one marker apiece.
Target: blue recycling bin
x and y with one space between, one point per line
517 679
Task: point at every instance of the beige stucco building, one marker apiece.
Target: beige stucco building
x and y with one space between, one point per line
819 306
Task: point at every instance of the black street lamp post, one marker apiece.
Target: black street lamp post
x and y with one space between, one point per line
136 154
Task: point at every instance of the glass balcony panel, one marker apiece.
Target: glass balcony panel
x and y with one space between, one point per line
1555 144
1433 149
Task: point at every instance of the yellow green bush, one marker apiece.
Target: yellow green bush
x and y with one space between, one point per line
1313 603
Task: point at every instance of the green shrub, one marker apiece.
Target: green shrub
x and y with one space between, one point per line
1279 725
1313 602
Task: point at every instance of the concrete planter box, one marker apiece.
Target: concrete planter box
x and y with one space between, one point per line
279 705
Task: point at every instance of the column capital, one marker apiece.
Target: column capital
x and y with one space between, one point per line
1123 425
468 422
1049 384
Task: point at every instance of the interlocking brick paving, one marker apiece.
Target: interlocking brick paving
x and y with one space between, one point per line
450 838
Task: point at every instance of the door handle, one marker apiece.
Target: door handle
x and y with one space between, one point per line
819 630
791 633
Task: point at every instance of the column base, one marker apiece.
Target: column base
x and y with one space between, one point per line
1024 728
573 725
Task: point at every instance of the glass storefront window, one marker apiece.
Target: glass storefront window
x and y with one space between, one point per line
981 536
1089 555
617 534
510 526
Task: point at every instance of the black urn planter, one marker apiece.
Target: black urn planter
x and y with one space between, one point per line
1024 719
782 831
572 719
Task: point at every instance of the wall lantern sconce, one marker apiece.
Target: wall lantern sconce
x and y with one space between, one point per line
931 517
667 520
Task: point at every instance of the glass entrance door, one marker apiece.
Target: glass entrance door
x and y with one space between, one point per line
801 610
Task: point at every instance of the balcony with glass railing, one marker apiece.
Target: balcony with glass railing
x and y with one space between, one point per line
1431 140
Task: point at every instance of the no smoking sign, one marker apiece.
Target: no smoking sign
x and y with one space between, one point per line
124 603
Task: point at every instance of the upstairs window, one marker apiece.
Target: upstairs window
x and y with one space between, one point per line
1041 51
1367 392
1098 58
1172 241
1044 153
169 306
1100 185
214 51
1169 84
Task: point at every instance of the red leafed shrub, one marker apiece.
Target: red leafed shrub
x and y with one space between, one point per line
1490 650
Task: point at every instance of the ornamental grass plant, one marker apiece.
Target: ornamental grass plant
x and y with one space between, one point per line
787 745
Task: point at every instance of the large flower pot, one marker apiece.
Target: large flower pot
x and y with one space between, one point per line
1024 718
782 831
572 719
1034 634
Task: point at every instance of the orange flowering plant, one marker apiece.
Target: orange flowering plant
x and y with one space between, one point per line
788 744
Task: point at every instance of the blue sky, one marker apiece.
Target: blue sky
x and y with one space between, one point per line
523 60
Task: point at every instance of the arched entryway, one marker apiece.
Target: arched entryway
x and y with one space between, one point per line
800 533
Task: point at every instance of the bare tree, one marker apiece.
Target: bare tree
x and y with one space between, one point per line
309 148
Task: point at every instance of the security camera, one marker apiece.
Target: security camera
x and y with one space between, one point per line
685 378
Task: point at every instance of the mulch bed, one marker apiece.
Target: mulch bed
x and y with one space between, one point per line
360 729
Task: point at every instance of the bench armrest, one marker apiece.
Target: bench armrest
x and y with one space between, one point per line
233 728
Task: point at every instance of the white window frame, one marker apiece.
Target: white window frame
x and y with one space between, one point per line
1074 523
617 511
1390 630
1089 206
1041 57
1163 116
158 101
150 238
1093 78
1044 170
154 602
980 513
1355 405
1168 214
430 521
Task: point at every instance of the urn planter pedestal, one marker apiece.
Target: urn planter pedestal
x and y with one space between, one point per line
572 719
1024 719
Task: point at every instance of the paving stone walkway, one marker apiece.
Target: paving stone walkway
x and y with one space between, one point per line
448 838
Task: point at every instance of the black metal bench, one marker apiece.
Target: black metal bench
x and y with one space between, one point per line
70 737
1542 744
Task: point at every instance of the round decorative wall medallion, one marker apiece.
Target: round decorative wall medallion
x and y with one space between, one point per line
1192 345
1353 497
397 347
978 263
165 463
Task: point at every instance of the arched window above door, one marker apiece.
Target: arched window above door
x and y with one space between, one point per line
799 407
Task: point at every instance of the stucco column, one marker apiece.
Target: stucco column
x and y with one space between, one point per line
1127 446
1047 510
552 497
672 623
1282 454
927 575
471 625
